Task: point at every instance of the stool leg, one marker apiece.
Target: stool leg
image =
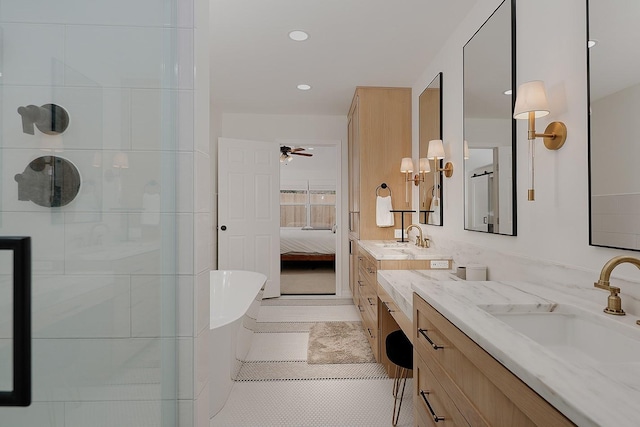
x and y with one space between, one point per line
404 373
396 382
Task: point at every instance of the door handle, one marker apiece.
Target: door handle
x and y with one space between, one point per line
20 395
223 228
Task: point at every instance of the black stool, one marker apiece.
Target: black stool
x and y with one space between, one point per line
400 353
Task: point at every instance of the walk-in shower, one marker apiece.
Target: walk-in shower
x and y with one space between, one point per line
91 139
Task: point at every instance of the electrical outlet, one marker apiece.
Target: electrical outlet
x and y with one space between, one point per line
397 233
439 264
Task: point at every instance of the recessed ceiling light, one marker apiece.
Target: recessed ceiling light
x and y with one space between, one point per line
508 92
298 35
304 87
592 43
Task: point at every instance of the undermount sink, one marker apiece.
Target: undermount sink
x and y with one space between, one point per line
579 336
392 244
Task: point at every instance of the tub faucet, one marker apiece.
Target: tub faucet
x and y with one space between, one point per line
420 241
614 303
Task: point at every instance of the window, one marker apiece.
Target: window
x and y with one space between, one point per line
314 208
293 208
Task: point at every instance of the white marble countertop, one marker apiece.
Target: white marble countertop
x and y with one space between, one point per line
397 283
393 250
586 395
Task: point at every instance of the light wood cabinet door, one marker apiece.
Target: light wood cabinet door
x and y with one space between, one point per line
379 132
354 169
433 406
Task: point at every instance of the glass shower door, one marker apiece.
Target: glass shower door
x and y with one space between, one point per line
98 198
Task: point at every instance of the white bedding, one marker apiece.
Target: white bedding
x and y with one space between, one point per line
307 241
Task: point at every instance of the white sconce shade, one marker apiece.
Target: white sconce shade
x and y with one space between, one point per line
436 149
121 161
424 165
465 149
531 103
97 159
407 165
531 98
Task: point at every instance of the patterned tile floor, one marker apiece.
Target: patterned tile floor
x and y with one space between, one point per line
302 403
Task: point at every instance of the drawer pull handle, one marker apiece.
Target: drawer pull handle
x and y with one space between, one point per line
433 413
360 308
369 270
423 332
370 334
386 304
360 283
370 302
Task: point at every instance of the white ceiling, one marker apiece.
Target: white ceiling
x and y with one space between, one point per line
255 67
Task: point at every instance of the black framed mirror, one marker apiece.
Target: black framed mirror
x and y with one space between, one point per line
430 128
489 128
614 100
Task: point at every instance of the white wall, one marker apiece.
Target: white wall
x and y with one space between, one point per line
300 128
554 228
321 167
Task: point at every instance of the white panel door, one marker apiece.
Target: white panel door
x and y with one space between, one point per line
249 209
479 195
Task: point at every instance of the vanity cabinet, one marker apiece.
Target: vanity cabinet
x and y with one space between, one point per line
368 299
380 314
459 381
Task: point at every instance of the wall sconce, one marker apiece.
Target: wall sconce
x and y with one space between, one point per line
531 103
406 167
435 153
121 161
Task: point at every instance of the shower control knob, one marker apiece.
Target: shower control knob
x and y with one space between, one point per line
223 228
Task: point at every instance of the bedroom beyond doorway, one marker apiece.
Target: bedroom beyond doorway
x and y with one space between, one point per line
308 201
308 278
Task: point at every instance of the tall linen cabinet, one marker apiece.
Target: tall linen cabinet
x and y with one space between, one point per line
379 131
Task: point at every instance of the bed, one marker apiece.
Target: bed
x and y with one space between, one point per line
297 244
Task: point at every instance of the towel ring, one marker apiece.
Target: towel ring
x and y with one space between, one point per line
383 186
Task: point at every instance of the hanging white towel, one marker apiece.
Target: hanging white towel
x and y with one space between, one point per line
384 218
434 217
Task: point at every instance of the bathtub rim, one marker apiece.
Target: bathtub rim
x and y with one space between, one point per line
260 280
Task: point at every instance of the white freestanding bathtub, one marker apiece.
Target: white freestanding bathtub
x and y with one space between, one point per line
235 302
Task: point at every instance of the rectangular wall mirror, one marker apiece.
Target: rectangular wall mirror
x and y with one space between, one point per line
430 128
614 92
489 128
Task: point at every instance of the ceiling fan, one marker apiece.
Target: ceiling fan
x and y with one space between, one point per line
287 152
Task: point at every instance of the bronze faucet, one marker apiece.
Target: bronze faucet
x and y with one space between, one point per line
421 242
614 303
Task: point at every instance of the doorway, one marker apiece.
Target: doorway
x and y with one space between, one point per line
309 202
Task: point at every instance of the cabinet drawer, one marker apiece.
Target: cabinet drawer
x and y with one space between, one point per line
387 303
370 328
431 401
